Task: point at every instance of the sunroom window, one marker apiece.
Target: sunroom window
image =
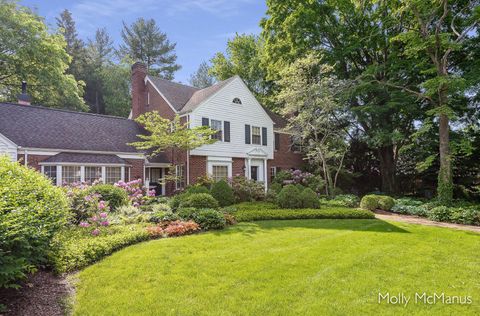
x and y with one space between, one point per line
71 174
93 173
113 174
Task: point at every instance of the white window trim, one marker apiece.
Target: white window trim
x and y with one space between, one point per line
219 162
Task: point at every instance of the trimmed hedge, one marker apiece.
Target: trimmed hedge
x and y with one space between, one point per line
32 210
75 248
246 215
309 199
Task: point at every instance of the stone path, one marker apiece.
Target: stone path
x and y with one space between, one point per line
388 216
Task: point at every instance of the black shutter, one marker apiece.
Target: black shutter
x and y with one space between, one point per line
277 141
264 136
205 121
247 134
226 131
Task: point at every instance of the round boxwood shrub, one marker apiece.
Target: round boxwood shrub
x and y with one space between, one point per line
309 199
289 197
32 210
115 196
369 202
164 216
385 202
209 219
199 200
223 193
177 199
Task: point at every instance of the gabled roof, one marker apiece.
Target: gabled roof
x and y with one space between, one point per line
186 98
40 127
176 93
203 94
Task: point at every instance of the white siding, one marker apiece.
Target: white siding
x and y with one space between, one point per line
221 107
8 148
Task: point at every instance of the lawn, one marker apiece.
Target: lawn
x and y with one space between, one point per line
288 267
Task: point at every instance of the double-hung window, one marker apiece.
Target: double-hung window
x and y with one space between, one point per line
256 135
71 174
113 174
51 173
216 125
179 177
92 174
219 173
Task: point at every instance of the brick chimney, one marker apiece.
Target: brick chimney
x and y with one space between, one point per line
24 98
139 72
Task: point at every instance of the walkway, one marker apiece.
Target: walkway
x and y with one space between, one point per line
389 216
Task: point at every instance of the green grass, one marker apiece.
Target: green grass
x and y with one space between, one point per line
297 267
256 211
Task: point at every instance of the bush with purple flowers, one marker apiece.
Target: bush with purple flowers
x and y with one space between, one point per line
137 193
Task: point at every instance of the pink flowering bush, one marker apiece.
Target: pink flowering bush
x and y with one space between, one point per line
98 214
137 193
297 176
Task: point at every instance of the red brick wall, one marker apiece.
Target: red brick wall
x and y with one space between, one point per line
136 169
33 160
284 158
139 71
157 103
238 166
198 167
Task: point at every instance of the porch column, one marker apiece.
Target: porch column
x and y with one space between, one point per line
59 176
249 163
122 168
104 174
265 174
82 173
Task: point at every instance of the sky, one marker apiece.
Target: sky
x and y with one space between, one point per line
199 27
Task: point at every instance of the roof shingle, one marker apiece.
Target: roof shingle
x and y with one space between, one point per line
40 127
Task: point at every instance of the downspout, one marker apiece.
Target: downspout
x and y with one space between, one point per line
188 156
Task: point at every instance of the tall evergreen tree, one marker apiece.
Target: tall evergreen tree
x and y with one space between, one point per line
202 78
75 46
143 41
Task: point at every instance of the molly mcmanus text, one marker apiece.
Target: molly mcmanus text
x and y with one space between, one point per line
423 298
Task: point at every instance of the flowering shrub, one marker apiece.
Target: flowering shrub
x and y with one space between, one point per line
246 190
137 193
176 228
98 218
296 176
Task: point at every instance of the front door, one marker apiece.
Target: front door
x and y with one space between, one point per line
254 173
156 180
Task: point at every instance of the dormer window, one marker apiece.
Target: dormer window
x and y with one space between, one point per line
237 101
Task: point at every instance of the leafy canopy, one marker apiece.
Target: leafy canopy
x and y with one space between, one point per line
28 52
164 133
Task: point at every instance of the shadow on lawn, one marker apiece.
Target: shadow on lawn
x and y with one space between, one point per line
367 225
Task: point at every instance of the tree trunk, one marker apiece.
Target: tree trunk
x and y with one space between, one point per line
445 186
388 168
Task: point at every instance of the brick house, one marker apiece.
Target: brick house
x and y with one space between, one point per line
72 146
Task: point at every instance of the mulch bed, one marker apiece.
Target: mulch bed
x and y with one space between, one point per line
42 294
